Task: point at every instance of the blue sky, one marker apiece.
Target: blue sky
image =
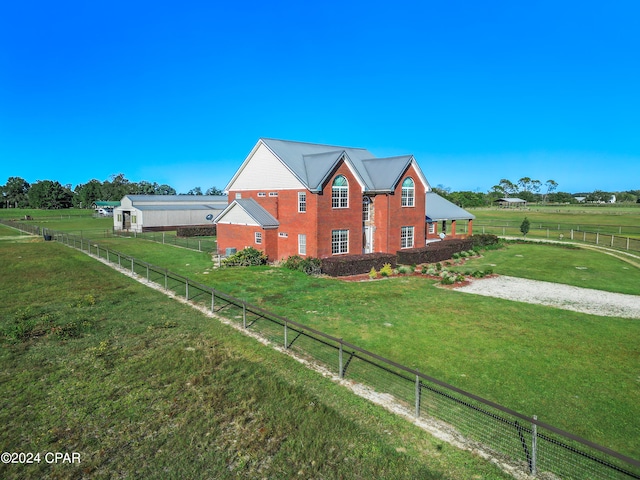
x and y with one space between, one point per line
179 92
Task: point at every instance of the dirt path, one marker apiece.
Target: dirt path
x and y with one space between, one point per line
567 297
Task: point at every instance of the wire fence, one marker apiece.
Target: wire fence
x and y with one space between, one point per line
561 232
201 244
531 446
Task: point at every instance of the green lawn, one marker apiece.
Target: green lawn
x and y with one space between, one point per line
561 264
142 386
576 371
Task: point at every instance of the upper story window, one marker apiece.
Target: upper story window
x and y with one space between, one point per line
408 192
273 194
340 192
302 202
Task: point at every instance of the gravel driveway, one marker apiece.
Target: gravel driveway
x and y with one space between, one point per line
585 300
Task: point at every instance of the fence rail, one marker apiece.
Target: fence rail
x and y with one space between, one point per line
534 447
597 238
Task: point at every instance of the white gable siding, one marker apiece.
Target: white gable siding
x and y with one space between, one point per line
237 216
264 171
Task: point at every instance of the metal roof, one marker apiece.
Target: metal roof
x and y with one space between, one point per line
179 208
312 164
168 199
511 200
439 208
254 210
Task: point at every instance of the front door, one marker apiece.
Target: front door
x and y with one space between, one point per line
367 240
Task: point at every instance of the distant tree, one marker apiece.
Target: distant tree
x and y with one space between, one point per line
195 191
561 197
48 194
214 191
15 193
165 190
143 188
598 196
524 226
87 194
116 188
551 185
626 197
508 187
468 199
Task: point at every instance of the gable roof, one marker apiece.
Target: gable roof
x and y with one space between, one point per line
439 208
312 164
249 210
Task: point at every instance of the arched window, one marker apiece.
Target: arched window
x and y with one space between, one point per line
408 192
340 192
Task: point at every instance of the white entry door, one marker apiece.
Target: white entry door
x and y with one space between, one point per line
368 240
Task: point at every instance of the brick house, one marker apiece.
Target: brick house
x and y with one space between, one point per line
292 198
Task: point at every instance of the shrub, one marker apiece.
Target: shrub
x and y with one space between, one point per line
456 255
373 273
292 263
446 280
484 240
424 269
311 266
356 264
386 270
199 231
459 278
246 257
404 270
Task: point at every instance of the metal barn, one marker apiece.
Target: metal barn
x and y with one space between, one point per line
147 213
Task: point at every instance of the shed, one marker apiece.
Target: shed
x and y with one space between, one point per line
144 213
445 214
511 202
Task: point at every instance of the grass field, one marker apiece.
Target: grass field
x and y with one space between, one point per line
166 392
576 371
611 219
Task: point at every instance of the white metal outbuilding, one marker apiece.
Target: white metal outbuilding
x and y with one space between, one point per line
141 213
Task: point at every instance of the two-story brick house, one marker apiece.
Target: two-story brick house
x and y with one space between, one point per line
292 198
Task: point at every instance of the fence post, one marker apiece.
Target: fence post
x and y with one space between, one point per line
199 249
584 236
244 314
547 233
572 234
132 270
612 240
340 360
165 278
147 273
81 244
213 299
119 262
627 243
534 445
107 255
597 238
418 393
98 250
186 293
286 343
163 238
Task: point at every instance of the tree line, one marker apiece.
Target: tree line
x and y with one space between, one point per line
533 191
50 194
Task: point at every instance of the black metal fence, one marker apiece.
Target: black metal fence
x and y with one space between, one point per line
531 446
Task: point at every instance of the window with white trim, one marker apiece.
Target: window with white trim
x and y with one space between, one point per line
273 194
302 244
339 242
366 209
408 192
340 192
406 237
262 194
432 227
302 202
258 236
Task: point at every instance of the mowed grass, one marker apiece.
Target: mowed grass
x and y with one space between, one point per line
580 267
612 219
578 372
142 386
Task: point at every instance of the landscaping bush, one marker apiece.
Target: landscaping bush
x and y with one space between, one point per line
310 266
483 240
198 231
434 252
356 264
244 258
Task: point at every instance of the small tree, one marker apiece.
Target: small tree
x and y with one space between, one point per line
524 226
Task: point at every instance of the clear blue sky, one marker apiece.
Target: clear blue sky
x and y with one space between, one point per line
179 92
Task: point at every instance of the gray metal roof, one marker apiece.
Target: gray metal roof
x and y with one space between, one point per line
168 199
179 208
313 163
439 208
254 210
511 200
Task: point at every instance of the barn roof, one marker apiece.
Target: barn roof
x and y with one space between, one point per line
439 208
